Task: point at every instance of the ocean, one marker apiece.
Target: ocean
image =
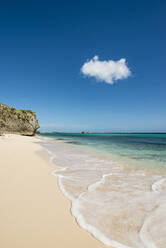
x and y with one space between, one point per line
116 183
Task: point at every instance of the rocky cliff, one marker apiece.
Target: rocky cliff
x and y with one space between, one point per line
22 122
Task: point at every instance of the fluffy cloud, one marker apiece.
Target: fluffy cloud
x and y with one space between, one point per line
106 71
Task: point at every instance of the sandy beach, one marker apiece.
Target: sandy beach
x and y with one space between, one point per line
33 211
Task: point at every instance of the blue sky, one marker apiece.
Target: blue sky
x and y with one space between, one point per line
44 45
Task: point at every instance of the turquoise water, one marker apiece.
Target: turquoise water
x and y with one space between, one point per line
138 150
116 183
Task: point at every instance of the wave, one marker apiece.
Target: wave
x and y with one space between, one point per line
122 208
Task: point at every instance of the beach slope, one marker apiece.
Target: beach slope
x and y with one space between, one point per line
33 211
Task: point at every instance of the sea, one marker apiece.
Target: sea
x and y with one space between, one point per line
116 183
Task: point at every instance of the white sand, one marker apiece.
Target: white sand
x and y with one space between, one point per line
33 211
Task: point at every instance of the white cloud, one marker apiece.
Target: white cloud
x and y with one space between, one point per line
106 71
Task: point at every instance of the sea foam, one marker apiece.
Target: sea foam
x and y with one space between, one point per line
119 207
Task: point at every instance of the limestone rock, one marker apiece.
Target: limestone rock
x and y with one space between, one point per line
22 122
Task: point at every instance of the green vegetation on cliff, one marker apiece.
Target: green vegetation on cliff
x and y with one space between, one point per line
17 121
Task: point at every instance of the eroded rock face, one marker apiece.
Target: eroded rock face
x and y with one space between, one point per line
22 122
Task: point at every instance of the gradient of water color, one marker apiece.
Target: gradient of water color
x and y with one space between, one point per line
117 185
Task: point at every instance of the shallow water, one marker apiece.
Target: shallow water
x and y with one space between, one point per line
120 202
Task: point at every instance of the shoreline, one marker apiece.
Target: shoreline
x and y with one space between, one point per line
34 211
91 190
